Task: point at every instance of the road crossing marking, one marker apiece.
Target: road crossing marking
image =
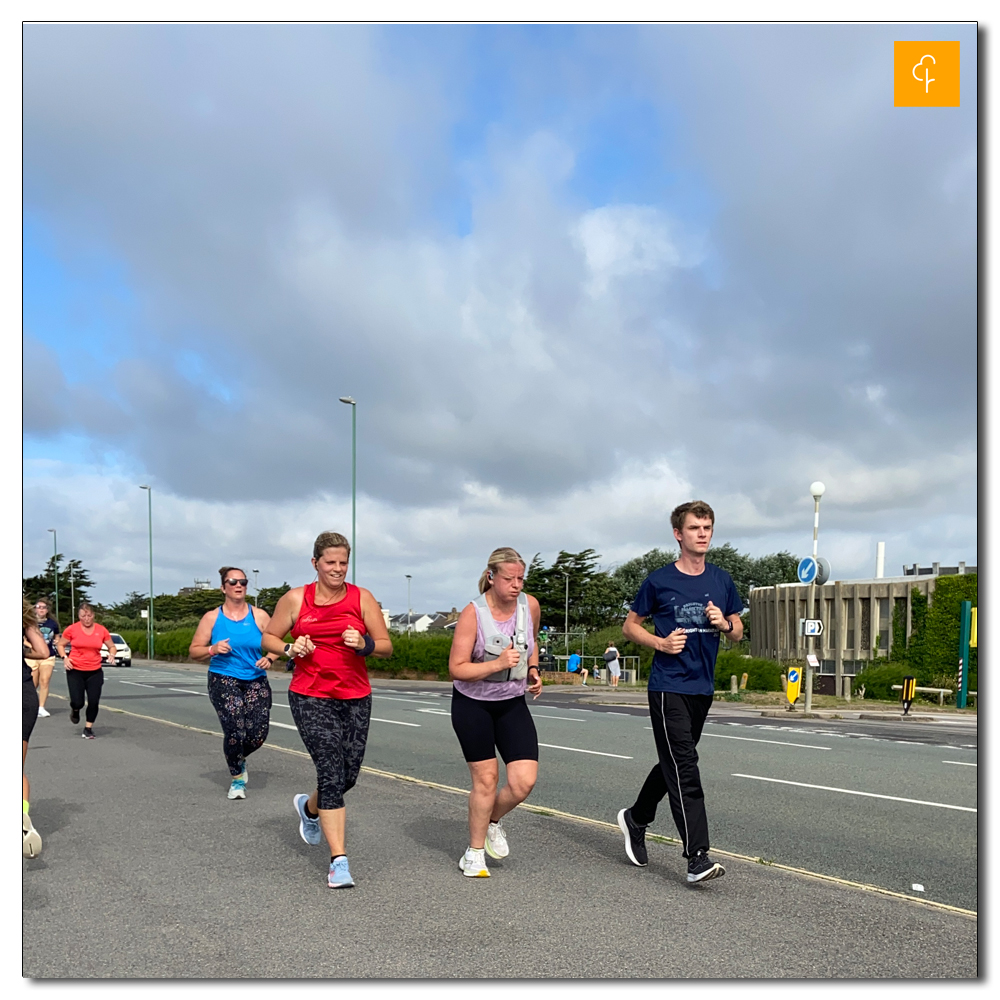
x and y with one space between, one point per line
964 763
852 791
599 753
416 725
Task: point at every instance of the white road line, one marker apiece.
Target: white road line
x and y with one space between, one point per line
138 685
599 753
433 711
562 718
851 791
628 715
416 725
204 694
280 704
283 725
964 763
414 701
751 739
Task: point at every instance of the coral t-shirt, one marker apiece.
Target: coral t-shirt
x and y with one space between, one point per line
86 651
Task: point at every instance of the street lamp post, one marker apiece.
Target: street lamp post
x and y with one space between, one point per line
817 490
352 403
566 623
150 645
409 604
256 590
55 567
72 597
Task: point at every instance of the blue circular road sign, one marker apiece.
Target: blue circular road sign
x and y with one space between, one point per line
807 570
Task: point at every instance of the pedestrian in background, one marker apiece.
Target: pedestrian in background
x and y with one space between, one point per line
33 649
229 637
613 663
575 664
49 629
84 673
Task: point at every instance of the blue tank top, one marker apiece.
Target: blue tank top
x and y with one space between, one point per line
244 638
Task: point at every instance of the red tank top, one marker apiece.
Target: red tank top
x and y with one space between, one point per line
332 670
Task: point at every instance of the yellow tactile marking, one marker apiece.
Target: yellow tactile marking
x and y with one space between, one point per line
559 814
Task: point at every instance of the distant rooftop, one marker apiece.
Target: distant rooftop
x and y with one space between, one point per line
936 569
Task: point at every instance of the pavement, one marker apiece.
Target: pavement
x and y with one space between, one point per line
148 871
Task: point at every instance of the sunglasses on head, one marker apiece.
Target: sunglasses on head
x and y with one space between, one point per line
237 583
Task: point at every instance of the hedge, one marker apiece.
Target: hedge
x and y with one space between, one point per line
763 675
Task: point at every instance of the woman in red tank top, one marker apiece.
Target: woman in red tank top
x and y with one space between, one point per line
334 627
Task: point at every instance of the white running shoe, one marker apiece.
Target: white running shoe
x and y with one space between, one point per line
473 864
43 712
496 841
237 790
31 845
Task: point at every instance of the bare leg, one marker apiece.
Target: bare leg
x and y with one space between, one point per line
333 823
44 676
482 799
25 787
521 778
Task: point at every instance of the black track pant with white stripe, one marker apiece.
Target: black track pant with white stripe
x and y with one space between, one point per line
677 723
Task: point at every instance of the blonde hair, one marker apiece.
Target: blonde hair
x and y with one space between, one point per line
497 558
330 540
28 617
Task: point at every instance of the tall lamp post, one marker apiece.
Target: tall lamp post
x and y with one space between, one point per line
256 590
409 604
55 567
352 403
566 624
72 597
817 490
150 646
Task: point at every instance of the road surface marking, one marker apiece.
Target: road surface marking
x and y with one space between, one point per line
561 718
138 685
434 711
964 763
282 725
599 753
852 791
416 725
751 739
414 701
186 691
917 887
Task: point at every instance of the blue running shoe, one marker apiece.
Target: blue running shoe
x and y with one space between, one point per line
309 829
340 874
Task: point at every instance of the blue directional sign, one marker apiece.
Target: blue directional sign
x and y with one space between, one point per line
807 570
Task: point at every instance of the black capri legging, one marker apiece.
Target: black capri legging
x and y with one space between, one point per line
483 727
335 732
29 709
89 683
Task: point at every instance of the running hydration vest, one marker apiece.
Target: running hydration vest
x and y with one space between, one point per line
495 642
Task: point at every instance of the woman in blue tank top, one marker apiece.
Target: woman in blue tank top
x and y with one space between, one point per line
229 638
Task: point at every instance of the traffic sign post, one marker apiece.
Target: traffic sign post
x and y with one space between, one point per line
813 569
965 634
909 690
792 687
810 626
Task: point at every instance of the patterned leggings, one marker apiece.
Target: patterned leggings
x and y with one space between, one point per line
335 732
244 709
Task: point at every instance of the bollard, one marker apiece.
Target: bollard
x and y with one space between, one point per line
743 682
784 684
847 688
732 684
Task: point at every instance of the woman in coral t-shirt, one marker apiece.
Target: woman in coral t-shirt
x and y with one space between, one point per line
84 674
335 625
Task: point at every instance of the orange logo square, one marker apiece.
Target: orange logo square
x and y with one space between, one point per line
926 74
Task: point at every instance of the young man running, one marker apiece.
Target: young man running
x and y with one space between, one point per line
691 602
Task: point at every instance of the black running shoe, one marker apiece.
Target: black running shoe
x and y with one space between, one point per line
88 734
635 839
74 715
701 868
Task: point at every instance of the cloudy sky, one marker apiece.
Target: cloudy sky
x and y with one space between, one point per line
572 276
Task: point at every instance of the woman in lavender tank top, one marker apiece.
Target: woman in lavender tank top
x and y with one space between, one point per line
488 708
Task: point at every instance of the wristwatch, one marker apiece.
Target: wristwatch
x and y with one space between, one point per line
288 650
731 626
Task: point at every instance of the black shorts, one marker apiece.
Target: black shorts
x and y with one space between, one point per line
483 727
29 709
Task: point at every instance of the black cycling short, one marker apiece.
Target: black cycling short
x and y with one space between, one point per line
483 727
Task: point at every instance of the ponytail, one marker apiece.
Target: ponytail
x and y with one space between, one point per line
496 559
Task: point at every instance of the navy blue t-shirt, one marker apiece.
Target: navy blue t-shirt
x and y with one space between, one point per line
50 629
678 600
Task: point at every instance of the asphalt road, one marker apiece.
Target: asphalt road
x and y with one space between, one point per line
149 871
897 801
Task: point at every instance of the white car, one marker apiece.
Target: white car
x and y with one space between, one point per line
123 652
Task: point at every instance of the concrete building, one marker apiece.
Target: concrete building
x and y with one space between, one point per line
856 615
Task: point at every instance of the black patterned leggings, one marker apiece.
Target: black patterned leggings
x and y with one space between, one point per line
244 709
335 732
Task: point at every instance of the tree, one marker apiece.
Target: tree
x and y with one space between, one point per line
630 575
548 586
268 597
41 586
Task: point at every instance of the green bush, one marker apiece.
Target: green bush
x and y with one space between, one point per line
878 680
933 647
172 643
762 675
424 652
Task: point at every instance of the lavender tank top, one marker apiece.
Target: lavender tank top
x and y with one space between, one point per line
495 690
